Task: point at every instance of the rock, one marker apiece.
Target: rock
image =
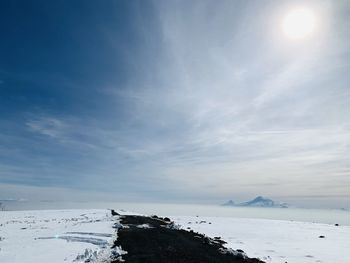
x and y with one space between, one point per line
114 213
167 245
321 237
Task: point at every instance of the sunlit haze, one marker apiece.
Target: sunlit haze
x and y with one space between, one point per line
175 101
299 23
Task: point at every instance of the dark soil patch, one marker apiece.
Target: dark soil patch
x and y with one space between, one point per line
163 244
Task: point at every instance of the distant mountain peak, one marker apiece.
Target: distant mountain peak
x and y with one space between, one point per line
229 203
258 201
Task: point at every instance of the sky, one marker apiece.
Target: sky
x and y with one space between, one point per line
174 101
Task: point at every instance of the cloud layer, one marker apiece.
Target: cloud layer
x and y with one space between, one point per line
201 101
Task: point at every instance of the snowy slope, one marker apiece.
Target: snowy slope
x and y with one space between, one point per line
55 236
276 241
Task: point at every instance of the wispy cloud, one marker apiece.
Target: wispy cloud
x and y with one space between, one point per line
214 102
48 126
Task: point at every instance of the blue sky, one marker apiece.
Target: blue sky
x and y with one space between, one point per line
179 101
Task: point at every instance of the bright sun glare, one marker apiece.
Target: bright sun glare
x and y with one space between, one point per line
299 23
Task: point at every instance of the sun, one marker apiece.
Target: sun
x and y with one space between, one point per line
299 23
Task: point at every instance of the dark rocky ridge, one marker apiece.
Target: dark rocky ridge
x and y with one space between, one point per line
162 242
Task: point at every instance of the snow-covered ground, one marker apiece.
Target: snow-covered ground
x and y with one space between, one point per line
55 236
275 240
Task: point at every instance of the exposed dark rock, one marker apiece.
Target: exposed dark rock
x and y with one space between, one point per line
114 213
164 243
